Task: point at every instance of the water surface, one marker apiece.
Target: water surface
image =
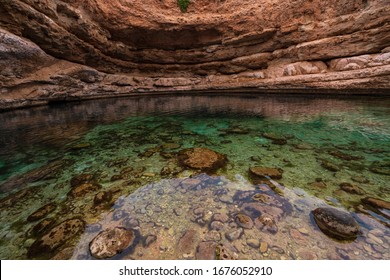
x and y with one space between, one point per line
129 147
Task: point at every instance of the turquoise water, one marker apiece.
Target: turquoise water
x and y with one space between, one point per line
129 148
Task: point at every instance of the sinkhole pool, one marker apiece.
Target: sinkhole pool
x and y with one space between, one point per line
197 177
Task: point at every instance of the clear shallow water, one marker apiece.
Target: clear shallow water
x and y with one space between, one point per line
124 144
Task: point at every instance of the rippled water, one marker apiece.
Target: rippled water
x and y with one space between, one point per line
126 150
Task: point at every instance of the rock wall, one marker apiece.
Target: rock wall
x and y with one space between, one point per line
72 49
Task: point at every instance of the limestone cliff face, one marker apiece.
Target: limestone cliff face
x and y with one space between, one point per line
54 50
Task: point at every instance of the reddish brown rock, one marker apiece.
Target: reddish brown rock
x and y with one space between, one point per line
266 223
83 189
318 185
351 188
376 202
336 223
81 179
46 245
42 212
202 159
111 242
42 227
263 172
45 172
15 198
221 217
188 242
206 251
103 197
244 221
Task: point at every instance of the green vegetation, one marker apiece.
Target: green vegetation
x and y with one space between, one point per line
183 4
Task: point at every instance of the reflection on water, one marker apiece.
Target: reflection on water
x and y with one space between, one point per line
71 173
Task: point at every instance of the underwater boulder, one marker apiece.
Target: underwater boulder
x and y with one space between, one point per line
111 242
42 212
46 245
376 202
336 223
83 189
264 172
81 179
351 188
45 172
42 227
244 221
266 222
202 159
206 251
103 197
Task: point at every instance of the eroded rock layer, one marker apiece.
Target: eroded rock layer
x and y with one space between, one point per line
70 49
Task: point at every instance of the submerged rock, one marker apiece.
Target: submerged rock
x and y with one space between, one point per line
81 179
170 146
116 177
117 162
273 136
376 202
202 159
360 179
303 146
206 251
165 171
254 243
83 189
15 198
244 221
234 234
264 172
42 212
187 242
42 227
318 184
212 235
42 173
263 247
46 245
344 156
148 240
103 197
221 217
336 223
351 188
330 166
111 242
266 223
222 252
382 168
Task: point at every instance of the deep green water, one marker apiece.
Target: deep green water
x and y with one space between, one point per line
318 143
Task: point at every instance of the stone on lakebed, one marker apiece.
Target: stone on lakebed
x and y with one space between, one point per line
336 223
111 242
264 172
202 159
